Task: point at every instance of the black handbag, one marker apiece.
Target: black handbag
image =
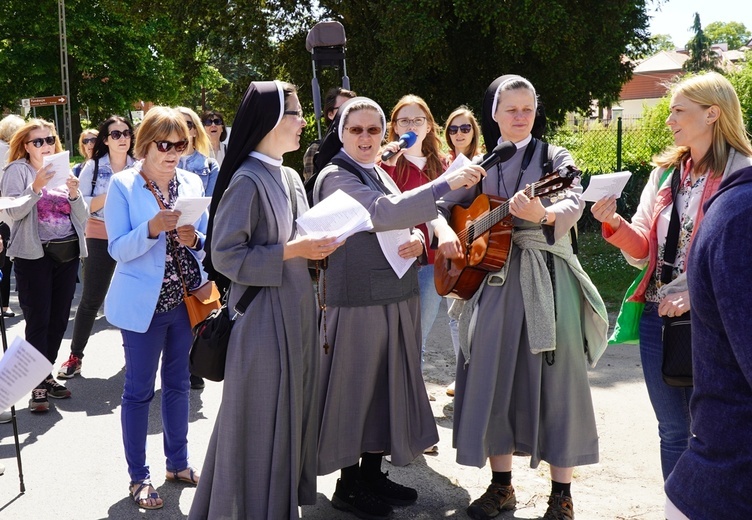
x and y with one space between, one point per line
677 330
212 336
63 250
677 350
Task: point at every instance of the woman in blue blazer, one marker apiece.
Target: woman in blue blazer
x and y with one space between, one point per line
145 299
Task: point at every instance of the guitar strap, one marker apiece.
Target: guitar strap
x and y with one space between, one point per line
529 151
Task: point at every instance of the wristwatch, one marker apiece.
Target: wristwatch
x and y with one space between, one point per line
544 220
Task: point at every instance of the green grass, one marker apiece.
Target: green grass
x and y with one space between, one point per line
608 269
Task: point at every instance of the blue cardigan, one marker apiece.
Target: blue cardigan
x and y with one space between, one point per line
135 286
713 478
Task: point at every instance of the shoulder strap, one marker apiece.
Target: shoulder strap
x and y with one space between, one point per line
293 197
95 175
672 237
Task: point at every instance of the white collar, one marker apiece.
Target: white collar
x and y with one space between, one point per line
265 158
519 144
367 166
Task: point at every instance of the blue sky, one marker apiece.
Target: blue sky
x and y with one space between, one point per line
676 16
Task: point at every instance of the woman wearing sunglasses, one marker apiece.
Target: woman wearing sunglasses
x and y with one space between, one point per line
463 137
155 258
372 397
85 147
46 243
197 157
261 460
112 152
418 165
214 125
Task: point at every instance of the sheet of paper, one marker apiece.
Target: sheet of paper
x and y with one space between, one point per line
606 185
191 209
13 202
22 367
390 242
61 165
339 215
459 162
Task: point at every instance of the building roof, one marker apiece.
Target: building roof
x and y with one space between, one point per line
664 61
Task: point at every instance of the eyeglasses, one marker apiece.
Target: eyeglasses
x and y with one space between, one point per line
89 140
465 129
357 130
298 113
190 125
405 122
117 134
216 122
41 141
166 146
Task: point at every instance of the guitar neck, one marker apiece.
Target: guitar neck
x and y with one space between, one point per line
497 214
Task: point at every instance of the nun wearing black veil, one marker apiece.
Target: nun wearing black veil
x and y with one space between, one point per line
261 460
372 396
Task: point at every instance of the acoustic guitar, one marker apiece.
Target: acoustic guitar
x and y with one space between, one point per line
485 231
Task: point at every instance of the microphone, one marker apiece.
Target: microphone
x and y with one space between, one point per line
406 140
502 152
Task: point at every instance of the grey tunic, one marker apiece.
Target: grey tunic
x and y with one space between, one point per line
262 454
372 395
508 400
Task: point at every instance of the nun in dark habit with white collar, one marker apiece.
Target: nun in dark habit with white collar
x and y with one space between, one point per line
373 399
261 460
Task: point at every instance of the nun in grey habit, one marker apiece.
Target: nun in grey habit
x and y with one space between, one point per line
261 460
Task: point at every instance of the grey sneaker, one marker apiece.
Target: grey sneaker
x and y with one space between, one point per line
55 389
496 499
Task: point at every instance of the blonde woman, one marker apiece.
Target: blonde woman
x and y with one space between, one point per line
197 158
86 148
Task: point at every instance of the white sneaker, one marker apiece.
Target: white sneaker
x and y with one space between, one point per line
5 417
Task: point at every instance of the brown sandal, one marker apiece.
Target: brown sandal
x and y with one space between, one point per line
191 479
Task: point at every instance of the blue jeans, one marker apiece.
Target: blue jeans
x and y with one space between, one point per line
670 403
169 336
429 302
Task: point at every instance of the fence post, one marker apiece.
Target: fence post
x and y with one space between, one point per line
618 144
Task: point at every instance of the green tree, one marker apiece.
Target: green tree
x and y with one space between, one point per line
701 56
735 34
741 79
662 42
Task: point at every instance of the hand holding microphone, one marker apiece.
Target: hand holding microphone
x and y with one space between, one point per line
406 140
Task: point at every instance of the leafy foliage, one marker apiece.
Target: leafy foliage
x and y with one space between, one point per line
662 42
701 56
735 34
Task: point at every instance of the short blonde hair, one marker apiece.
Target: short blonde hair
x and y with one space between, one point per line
17 143
201 141
8 126
85 132
157 125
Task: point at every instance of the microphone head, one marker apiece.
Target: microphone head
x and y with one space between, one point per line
504 151
410 138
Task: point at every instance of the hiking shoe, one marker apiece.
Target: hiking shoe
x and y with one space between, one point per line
496 499
391 492
560 507
360 502
70 368
38 402
55 389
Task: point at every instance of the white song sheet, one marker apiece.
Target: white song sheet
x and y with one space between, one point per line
605 185
22 367
339 215
61 166
390 242
190 209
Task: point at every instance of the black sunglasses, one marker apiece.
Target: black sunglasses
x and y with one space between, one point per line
216 122
357 130
117 134
89 140
190 125
166 146
465 129
41 141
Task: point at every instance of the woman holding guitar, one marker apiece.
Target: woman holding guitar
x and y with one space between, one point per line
372 397
710 143
529 331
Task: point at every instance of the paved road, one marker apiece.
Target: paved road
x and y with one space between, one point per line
74 468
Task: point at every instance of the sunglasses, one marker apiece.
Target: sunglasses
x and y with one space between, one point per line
404 122
357 130
216 122
89 140
298 113
190 125
465 129
117 134
41 141
166 146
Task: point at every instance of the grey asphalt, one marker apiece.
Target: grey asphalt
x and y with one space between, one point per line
74 468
